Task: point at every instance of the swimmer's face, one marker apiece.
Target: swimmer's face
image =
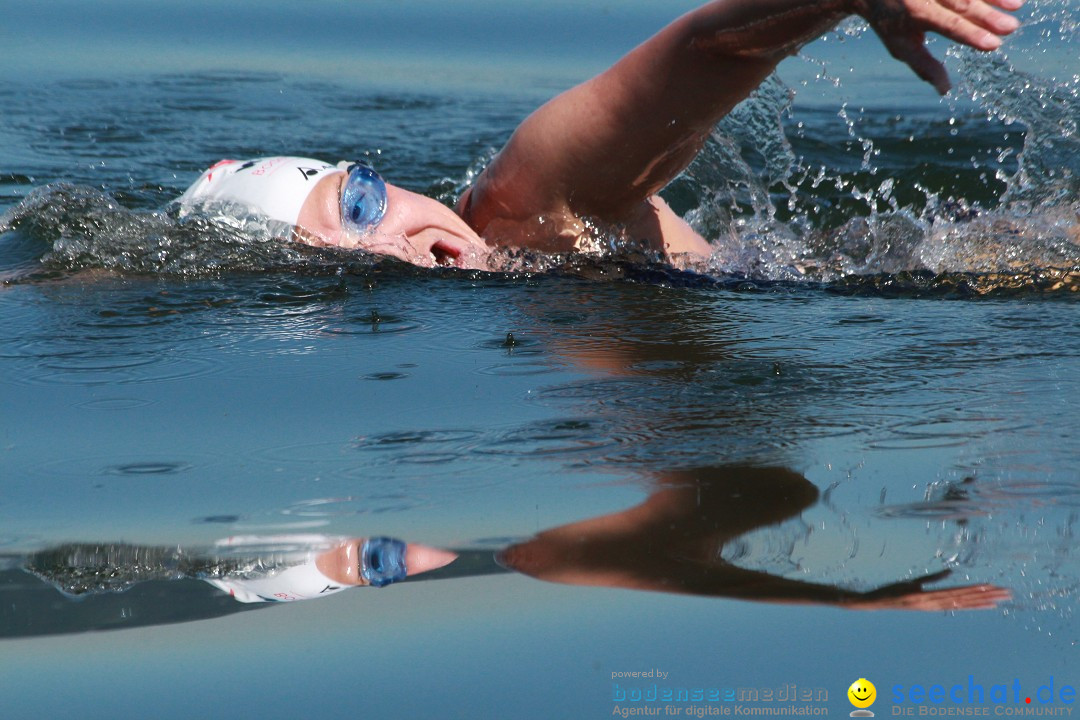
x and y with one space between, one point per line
342 563
415 228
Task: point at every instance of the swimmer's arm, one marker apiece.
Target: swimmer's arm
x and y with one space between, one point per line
604 147
905 595
582 562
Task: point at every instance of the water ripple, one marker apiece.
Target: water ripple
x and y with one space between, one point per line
113 403
372 322
117 367
334 507
131 467
552 439
396 441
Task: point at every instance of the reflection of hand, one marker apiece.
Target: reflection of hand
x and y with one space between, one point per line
910 595
903 24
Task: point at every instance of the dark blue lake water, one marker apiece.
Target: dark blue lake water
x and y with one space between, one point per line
699 474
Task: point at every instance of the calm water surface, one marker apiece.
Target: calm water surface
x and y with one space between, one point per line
872 381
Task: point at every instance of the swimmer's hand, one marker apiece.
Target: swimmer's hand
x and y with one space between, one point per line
902 25
910 595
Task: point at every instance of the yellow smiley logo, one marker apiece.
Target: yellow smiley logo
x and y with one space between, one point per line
862 693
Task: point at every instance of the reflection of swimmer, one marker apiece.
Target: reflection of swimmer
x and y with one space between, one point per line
250 569
672 542
596 155
315 572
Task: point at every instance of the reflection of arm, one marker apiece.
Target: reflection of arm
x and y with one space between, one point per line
743 584
672 574
672 542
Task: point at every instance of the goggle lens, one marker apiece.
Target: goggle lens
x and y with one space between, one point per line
363 202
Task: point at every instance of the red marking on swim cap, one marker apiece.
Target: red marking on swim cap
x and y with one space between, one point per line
219 163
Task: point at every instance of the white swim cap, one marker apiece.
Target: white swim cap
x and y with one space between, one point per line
303 581
289 571
275 187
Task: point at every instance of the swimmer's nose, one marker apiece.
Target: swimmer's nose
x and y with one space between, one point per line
421 558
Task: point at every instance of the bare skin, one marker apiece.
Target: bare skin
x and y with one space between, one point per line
671 543
416 229
341 564
599 152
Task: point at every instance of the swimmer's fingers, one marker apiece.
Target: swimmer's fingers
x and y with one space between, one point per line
976 23
911 50
967 597
981 24
903 24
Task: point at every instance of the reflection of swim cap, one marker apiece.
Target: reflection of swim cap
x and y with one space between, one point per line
285 568
303 581
275 187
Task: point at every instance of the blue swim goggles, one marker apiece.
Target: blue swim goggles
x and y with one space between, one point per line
382 561
363 202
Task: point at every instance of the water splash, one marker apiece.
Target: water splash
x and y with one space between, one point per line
84 228
986 199
1049 164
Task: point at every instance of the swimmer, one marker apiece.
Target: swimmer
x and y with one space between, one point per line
596 155
352 562
250 569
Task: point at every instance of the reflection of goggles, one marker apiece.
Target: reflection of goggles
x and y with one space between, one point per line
363 202
382 560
